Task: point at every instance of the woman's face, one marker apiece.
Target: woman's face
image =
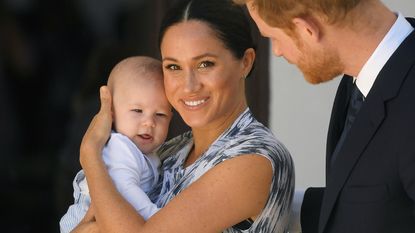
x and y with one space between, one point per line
203 80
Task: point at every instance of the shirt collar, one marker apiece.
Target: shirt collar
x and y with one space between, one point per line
396 35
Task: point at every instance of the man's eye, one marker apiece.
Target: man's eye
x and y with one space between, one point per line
206 64
137 110
172 67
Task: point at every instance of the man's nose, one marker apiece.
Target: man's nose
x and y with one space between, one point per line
276 48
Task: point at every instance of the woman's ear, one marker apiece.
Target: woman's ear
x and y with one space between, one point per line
248 61
308 28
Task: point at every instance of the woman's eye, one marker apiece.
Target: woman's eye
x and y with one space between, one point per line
172 67
137 110
206 64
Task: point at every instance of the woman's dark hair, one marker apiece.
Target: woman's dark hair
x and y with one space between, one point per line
227 19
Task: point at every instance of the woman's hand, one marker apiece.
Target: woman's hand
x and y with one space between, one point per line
99 129
88 224
86 227
90 214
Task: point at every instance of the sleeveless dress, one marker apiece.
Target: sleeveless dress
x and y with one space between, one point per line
245 136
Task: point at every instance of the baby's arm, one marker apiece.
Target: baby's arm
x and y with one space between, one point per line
125 164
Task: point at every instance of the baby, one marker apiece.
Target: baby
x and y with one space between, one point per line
141 116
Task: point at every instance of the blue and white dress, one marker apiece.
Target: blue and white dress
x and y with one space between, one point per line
245 136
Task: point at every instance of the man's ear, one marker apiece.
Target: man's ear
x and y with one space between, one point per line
308 28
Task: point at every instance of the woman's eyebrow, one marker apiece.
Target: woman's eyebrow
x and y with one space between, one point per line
170 59
204 55
194 58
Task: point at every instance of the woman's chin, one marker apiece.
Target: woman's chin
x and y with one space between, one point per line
194 117
194 123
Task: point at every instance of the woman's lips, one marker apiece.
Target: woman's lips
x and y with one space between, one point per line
194 103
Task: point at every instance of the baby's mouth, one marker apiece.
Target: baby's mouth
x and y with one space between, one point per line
145 136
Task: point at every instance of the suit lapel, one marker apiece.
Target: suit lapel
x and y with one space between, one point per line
369 119
362 131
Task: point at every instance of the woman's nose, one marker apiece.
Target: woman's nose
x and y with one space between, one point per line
192 83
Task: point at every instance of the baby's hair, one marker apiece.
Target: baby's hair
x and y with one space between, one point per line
138 67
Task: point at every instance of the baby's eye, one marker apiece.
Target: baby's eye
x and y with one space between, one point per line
206 64
160 114
172 67
137 110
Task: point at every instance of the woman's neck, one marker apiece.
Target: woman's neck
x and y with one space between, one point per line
204 137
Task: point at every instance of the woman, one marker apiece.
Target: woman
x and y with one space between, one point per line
229 174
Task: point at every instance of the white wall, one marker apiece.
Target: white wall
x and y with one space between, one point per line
300 112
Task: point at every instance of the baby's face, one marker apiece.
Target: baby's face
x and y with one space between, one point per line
142 112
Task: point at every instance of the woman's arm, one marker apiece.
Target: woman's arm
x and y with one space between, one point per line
227 194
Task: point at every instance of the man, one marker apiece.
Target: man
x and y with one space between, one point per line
370 175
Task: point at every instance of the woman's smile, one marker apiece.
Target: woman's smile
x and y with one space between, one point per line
194 104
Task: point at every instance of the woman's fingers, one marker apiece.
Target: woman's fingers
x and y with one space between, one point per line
100 127
105 97
90 215
86 227
104 117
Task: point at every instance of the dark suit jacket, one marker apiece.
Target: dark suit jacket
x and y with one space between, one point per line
370 188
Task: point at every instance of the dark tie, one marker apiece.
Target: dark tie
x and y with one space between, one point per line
356 100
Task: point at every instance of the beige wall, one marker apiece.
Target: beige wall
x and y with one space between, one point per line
300 112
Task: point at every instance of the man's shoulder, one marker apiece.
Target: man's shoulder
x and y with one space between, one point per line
411 20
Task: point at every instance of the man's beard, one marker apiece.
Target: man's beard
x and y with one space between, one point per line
319 66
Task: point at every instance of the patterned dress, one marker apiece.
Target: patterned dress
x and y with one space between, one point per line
245 136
